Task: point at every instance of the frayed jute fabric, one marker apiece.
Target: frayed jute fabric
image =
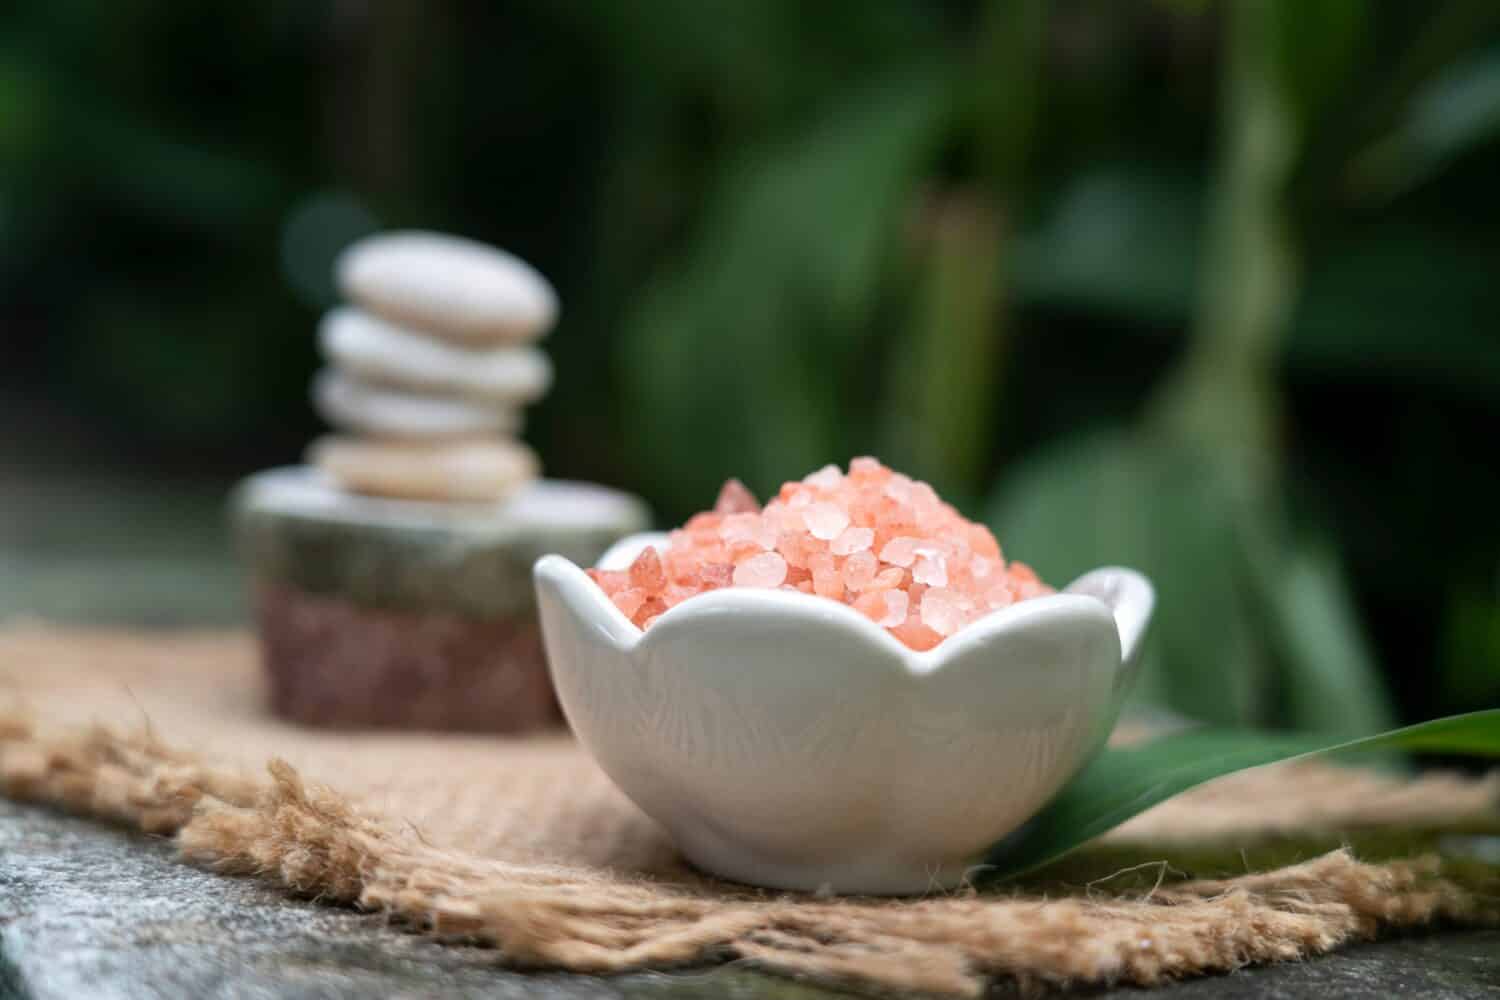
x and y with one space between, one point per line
524 845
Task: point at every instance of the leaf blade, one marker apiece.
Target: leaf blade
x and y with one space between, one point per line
1123 782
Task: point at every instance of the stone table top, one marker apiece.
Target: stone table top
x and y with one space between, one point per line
91 911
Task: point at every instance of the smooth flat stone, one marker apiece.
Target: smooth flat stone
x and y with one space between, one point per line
297 528
466 471
362 408
379 352
456 287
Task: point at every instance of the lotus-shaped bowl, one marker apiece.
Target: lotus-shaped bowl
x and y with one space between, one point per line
786 740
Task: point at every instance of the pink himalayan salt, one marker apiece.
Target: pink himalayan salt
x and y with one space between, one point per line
734 498
827 478
765 570
860 569
874 539
900 551
825 521
629 600
852 540
931 569
942 610
886 608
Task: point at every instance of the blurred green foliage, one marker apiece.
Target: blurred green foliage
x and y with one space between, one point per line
1204 288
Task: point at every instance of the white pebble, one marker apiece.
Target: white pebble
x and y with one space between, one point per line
355 406
467 471
449 285
368 347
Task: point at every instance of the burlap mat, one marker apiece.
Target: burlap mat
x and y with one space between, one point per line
525 845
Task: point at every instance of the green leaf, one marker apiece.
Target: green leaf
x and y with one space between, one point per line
1400 304
1456 113
1469 669
1121 238
1329 680
757 338
1172 514
1124 782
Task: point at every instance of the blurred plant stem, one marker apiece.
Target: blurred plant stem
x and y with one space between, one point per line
1221 406
945 374
949 374
1222 397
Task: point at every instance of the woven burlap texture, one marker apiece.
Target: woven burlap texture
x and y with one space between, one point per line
523 844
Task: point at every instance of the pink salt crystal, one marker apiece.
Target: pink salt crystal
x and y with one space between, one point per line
795 547
739 526
734 498
931 569
741 550
898 488
826 579
780 518
741 531
852 540
610 580
827 479
676 594
934 572
629 600
1022 573
999 596
646 572
716 575
866 470
900 551
871 605
895 608
859 570
703 525
765 570
826 521
916 635
983 542
829 584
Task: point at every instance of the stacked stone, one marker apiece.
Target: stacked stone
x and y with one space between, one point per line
377 611
430 367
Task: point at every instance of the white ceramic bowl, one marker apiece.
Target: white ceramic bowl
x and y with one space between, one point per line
786 740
